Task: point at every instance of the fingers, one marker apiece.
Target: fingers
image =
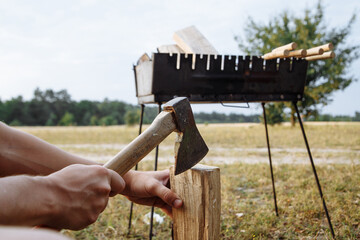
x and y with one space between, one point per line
163 176
117 183
166 195
156 202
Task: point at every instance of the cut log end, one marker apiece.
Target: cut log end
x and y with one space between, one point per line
199 188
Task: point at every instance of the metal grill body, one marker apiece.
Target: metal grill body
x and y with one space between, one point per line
216 78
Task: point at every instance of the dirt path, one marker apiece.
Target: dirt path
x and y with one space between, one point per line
220 155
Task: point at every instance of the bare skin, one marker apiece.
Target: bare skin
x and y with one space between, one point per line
44 185
21 233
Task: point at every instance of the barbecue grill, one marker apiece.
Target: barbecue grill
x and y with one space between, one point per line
218 79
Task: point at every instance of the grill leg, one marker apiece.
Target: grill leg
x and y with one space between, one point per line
155 169
314 170
136 166
271 168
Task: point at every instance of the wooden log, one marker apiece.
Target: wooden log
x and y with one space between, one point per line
290 46
314 51
298 53
325 47
191 40
199 218
277 54
325 55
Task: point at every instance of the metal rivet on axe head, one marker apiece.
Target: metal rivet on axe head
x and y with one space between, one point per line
190 147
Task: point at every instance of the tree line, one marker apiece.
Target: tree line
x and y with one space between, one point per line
51 108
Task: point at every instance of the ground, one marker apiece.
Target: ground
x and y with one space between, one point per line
247 199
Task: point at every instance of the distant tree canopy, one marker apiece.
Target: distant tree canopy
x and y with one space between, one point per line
51 108
324 76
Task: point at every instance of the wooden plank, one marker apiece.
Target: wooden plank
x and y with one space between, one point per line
191 40
173 48
200 190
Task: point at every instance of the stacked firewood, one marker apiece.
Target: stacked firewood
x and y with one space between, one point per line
289 50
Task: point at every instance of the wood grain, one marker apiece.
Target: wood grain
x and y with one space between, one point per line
200 190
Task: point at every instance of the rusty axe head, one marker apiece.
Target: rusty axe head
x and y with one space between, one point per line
190 147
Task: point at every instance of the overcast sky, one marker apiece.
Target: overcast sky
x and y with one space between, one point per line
89 46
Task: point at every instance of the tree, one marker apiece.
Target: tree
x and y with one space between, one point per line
274 114
67 120
107 121
323 76
49 102
132 117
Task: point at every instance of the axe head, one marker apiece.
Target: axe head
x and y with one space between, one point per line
190 147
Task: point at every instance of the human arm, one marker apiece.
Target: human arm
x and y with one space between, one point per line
21 233
22 153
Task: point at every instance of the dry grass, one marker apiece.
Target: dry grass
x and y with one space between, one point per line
246 188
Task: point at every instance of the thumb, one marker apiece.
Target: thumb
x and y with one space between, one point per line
168 196
117 183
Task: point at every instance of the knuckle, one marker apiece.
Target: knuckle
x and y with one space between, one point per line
92 218
105 189
167 196
100 170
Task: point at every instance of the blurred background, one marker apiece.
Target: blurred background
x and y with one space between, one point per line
88 47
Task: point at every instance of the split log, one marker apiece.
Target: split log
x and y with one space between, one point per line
199 218
191 40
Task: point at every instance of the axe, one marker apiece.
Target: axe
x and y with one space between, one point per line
176 116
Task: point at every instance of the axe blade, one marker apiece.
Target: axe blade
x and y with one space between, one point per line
191 150
190 147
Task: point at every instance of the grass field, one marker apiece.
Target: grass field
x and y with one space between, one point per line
247 201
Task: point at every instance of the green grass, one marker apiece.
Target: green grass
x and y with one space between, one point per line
246 188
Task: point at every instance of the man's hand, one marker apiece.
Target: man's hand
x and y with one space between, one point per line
149 188
71 198
81 193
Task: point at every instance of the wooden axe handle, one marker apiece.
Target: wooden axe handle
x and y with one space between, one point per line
128 157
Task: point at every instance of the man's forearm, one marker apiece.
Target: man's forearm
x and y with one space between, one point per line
20 233
22 153
25 201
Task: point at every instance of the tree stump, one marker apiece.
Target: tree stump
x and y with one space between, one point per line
199 218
